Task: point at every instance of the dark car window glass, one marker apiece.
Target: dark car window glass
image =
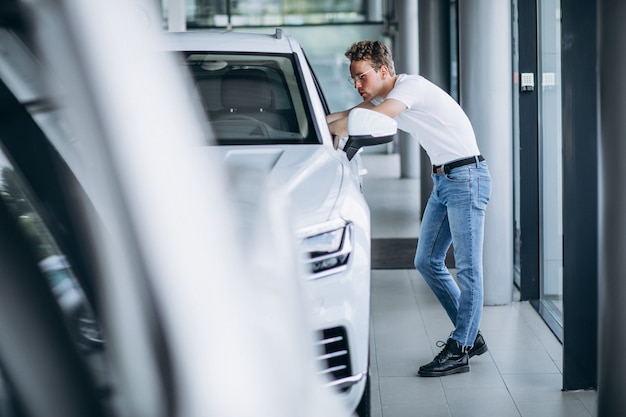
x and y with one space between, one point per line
81 321
251 99
8 405
23 75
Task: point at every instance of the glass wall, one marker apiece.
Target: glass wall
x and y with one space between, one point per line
516 150
232 13
551 158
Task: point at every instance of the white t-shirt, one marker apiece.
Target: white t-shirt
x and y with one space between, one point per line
434 119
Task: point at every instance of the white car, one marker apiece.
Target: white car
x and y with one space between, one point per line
267 112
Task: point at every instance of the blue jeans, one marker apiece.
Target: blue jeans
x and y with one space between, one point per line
455 214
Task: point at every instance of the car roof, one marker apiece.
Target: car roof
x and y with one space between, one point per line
207 40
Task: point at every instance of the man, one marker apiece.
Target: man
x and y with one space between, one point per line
455 211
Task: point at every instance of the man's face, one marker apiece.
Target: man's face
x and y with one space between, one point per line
366 79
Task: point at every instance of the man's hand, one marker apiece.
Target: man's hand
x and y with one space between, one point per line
339 142
339 127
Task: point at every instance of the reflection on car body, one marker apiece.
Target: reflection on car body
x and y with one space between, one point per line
81 319
79 314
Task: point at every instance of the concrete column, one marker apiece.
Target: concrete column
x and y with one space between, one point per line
374 10
612 209
176 19
406 60
485 78
434 64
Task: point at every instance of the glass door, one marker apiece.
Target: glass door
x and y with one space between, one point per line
517 222
551 172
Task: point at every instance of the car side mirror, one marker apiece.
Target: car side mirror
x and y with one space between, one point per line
367 128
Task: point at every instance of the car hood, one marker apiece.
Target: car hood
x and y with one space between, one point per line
310 175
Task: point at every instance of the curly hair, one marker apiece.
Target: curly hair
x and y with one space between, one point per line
374 51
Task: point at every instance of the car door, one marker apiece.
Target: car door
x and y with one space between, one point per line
100 164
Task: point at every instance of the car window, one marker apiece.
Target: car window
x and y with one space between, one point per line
79 315
318 86
252 99
8 405
31 119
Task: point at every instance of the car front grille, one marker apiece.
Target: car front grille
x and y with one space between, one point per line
334 358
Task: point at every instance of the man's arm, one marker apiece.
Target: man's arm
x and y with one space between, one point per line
338 115
339 123
390 107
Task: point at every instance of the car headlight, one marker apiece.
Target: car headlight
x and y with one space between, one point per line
327 248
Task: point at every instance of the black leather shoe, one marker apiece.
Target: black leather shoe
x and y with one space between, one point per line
451 360
479 347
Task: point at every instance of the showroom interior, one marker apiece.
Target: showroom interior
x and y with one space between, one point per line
541 82
91 115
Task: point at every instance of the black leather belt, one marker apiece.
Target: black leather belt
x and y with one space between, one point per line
438 169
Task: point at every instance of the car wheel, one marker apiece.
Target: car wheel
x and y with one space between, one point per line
365 406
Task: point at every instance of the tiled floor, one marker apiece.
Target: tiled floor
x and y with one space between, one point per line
520 375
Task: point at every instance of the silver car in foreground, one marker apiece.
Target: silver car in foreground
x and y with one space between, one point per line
99 180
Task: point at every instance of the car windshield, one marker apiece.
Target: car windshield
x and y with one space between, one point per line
252 99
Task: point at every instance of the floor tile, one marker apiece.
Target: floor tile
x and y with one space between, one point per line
410 390
537 387
481 402
552 409
429 409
